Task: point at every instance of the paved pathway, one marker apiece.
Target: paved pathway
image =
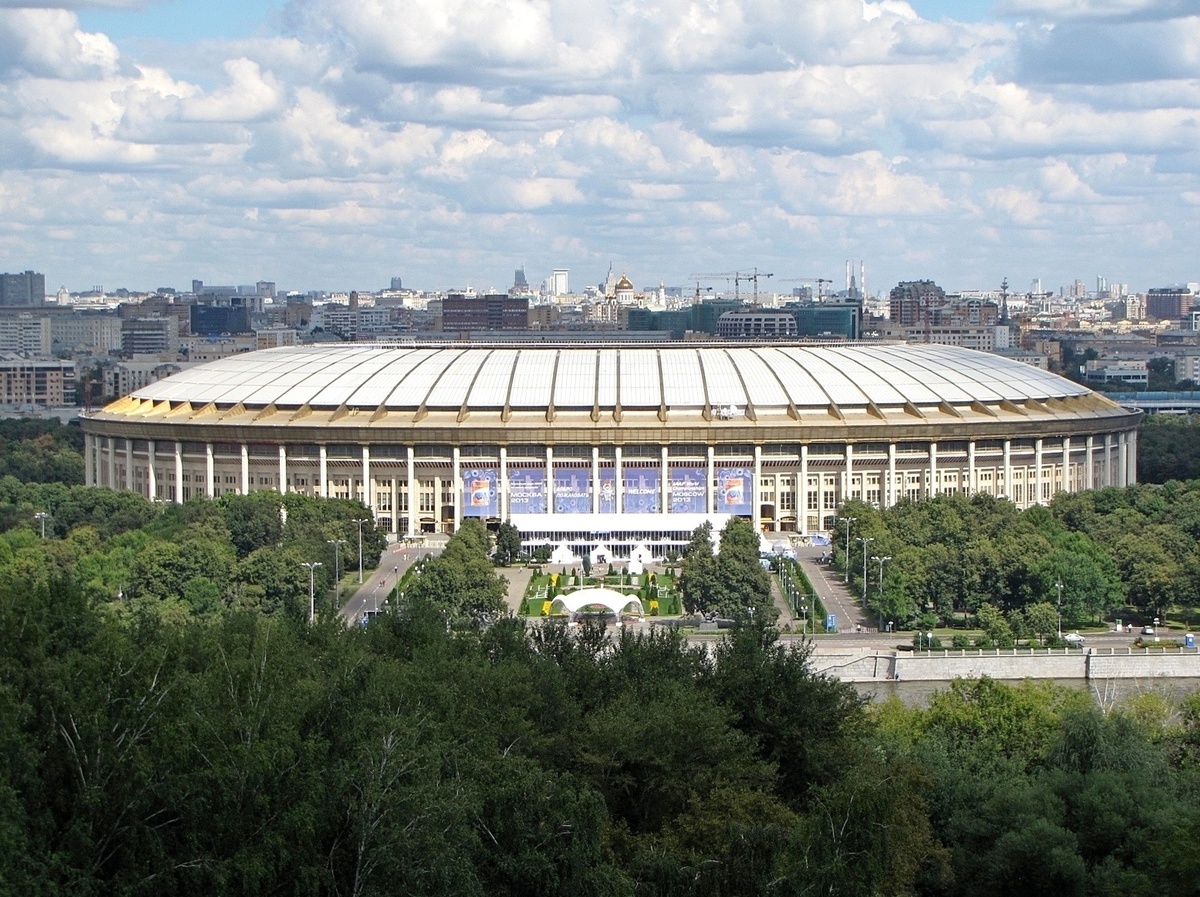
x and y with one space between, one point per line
382 581
829 586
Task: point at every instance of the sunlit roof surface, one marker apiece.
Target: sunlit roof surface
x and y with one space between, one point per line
577 377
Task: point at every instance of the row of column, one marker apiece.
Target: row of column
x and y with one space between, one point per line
1117 457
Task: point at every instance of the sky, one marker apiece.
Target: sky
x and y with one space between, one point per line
336 144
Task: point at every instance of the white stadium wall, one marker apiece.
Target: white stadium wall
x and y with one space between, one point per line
631 441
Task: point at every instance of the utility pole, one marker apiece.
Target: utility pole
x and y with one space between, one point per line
847 521
360 521
865 540
882 560
312 599
41 517
337 569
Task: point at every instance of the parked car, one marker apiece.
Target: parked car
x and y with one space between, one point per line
1073 638
1147 630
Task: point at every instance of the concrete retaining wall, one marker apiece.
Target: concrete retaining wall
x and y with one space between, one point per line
1010 663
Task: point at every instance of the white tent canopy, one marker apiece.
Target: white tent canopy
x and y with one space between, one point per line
641 553
601 554
615 601
563 556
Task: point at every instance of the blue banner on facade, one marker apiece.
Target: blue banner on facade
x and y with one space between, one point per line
527 491
735 490
689 490
608 491
643 490
479 493
572 491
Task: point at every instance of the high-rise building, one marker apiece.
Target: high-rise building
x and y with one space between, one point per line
1169 303
397 283
493 312
911 300
558 282
26 288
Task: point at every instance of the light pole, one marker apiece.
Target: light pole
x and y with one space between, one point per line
1058 585
865 540
360 521
337 567
879 600
41 517
312 600
847 521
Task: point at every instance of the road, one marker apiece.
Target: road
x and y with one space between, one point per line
378 586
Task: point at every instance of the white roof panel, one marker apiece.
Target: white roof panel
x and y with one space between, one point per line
452 387
721 380
606 363
491 386
575 385
533 378
377 386
640 379
761 383
683 381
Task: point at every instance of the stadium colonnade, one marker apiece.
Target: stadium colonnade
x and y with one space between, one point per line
584 443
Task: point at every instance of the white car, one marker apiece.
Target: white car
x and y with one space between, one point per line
1147 630
1073 638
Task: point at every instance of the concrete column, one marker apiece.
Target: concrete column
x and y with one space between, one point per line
456 466
972 475
1123 459
112 463
210 484
1008 489
595 479
412 491
437 503
1039 480
756 492
178 473
151 473
128 463
1089 463
1132 476
394 529
1109 474
664 481
802 493
368 488
711 491
502 505
619 484
89 450
891 476
549 480
1066 464
847 474
324 491
934 486
283 483
245 469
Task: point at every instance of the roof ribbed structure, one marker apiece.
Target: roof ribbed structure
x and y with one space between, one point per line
604 380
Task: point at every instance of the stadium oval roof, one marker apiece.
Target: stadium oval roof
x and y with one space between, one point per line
677 376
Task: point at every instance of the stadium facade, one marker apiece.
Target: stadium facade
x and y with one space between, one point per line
586 443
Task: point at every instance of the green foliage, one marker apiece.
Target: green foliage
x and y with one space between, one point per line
508 545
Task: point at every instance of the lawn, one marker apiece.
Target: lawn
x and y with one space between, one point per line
658 590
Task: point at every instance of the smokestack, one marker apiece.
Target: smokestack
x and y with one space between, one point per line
862 278
847 275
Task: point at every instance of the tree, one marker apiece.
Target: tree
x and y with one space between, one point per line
508 543
697 575
741 583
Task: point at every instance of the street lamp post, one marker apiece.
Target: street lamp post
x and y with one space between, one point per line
312 600
337 568
1058 585
847 521
879 600
865 540
41 517
360 521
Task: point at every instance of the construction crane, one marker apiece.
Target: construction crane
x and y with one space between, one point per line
754 277
724 275
696 298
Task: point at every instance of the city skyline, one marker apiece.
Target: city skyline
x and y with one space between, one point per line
334 145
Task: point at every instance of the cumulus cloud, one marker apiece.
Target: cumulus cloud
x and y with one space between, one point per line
677 135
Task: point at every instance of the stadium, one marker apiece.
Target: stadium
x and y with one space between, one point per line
584 444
